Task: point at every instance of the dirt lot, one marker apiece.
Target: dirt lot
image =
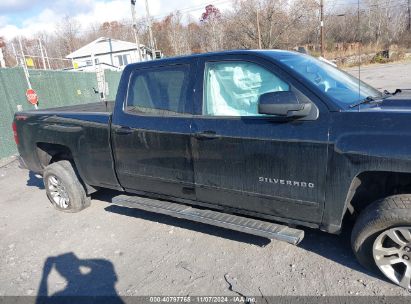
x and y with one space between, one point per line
108 250
386 76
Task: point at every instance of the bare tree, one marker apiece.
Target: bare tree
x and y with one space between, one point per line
67 33
177 35
284 24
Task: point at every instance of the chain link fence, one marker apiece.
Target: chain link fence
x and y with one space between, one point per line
54 89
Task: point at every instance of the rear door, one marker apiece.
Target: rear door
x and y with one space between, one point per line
255 162
151 133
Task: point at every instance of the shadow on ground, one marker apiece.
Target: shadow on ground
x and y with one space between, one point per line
107 196
35 181
84 277
334 247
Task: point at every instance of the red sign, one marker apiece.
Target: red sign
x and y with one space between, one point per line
32 96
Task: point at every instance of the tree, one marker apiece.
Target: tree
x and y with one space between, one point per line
2 46
67 33
212 29
284 24
211 13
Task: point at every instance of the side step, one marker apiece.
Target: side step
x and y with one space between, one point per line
234 222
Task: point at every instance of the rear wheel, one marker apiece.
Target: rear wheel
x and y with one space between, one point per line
63 187
381 238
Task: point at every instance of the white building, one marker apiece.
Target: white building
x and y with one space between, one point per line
107 53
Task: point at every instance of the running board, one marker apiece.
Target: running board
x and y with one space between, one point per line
229 221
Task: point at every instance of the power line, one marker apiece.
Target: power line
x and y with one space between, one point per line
183 11
377 4
370 8
192 8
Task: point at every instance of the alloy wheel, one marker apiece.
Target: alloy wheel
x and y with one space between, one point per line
58 192
392 254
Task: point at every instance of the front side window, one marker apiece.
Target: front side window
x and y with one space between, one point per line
233 88
159 91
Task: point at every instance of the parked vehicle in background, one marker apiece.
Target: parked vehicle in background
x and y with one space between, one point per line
244 140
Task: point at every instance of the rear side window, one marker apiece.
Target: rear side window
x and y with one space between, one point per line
160 91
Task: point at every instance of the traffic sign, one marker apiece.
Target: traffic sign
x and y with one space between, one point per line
32 97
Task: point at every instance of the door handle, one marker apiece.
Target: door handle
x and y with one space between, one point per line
205 135
124 131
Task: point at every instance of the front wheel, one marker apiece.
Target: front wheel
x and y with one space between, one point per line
381 238
63 187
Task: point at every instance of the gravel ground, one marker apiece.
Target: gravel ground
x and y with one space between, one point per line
107 249
386 76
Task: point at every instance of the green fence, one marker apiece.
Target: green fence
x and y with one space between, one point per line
112 79
54 88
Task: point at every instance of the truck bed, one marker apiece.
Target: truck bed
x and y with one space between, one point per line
82 131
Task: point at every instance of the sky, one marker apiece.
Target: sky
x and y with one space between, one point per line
27 17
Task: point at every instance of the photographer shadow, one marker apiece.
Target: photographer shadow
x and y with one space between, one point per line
86 278
35 180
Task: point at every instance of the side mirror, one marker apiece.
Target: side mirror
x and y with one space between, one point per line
283 103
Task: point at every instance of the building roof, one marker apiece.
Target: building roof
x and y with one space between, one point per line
103 45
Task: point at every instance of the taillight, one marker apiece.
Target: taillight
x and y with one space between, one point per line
16 136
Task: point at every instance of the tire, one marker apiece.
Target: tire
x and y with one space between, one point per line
381 238
63 187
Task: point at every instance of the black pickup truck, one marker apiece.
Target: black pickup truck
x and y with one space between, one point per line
264 142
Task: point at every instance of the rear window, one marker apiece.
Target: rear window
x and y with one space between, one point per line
159 91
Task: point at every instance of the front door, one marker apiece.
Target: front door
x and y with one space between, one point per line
151 134
254 162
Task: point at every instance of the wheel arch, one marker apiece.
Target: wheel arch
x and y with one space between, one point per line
370 186
48 153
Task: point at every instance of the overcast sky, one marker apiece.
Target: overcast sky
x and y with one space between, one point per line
25 17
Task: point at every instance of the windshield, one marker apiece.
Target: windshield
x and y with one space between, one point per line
338 85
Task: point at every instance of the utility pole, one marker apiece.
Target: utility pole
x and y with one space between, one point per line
258 28
133 15
322 27
409 15
150 32
42 55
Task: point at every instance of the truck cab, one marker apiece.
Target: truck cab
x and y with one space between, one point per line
190 128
